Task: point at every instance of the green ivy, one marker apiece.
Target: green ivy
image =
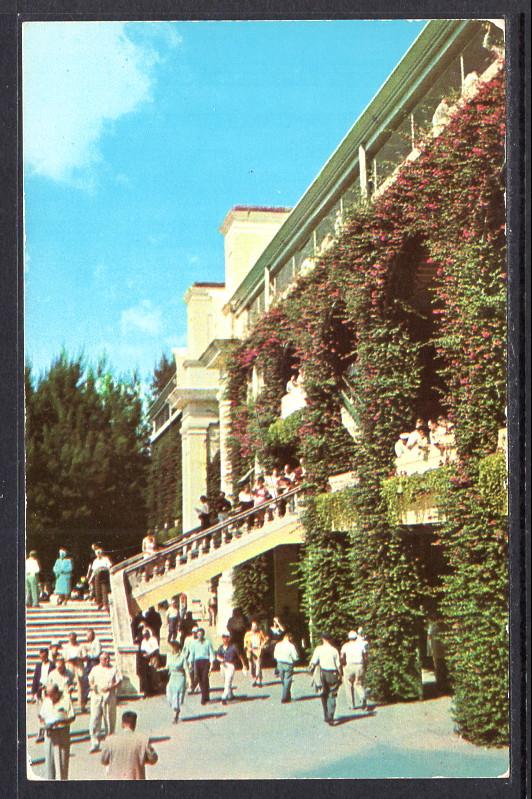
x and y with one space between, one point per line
402 491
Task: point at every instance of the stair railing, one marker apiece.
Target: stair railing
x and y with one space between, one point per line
197 543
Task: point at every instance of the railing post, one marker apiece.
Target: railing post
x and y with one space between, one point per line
125 649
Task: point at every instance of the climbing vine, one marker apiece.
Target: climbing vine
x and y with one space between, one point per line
355 315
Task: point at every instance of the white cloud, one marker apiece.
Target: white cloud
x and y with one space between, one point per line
78 77
143 317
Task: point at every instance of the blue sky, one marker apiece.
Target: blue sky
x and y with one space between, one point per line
139 137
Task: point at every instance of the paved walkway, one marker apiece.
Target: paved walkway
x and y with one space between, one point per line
257 737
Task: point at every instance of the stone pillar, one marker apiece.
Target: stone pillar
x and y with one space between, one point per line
225 600
226 477
195 421
121 611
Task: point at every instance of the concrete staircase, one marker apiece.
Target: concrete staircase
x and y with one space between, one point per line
53 622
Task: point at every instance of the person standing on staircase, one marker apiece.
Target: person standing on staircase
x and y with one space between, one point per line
63 577
33 570
104 679
56 714
100 577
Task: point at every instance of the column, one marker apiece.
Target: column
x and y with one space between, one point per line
225 600
197 416
224 408
362 171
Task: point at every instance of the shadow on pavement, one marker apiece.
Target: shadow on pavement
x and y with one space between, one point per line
246 698
157 739
353 717
306 698
204 716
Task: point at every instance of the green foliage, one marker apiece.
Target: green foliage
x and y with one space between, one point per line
162 373
325 573
402 491
253 587
164 495
475 606
285 432
87 459
354 314
493 482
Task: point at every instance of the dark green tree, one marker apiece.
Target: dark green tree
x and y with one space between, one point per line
86 459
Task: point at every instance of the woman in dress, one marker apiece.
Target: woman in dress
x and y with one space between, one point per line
63 577
176 663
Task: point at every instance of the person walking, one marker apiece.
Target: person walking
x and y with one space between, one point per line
33 570
38 685
126 755
104 679
285 655
91 650
63 577
176 663
255 641
201 660
228 656
61 676
73 654
326 656
56 714
353 657
204 512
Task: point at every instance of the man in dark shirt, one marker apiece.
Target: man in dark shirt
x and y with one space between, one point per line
228 656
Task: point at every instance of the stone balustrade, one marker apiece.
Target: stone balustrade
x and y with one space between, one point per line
193 548
419 461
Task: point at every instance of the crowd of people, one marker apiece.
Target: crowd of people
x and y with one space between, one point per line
438 433
95 585
266 487
188 665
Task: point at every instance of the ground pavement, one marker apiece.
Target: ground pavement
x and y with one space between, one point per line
256 736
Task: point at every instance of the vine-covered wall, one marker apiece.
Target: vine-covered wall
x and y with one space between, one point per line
165 483
357 312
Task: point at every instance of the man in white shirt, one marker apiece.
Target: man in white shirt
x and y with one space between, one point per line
56 714
73 654
353 656
104 679
326 656
33 569
285 655
100 577
61 676
415 437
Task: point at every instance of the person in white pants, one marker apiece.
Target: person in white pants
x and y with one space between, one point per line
104 679
228 656
353 656
56 714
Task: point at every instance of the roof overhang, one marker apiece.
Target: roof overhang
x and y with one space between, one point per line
436 45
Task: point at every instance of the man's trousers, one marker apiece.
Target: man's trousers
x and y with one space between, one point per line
354 674
330 682
201 675
57 748
286 673
32 590
228 672
103 709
